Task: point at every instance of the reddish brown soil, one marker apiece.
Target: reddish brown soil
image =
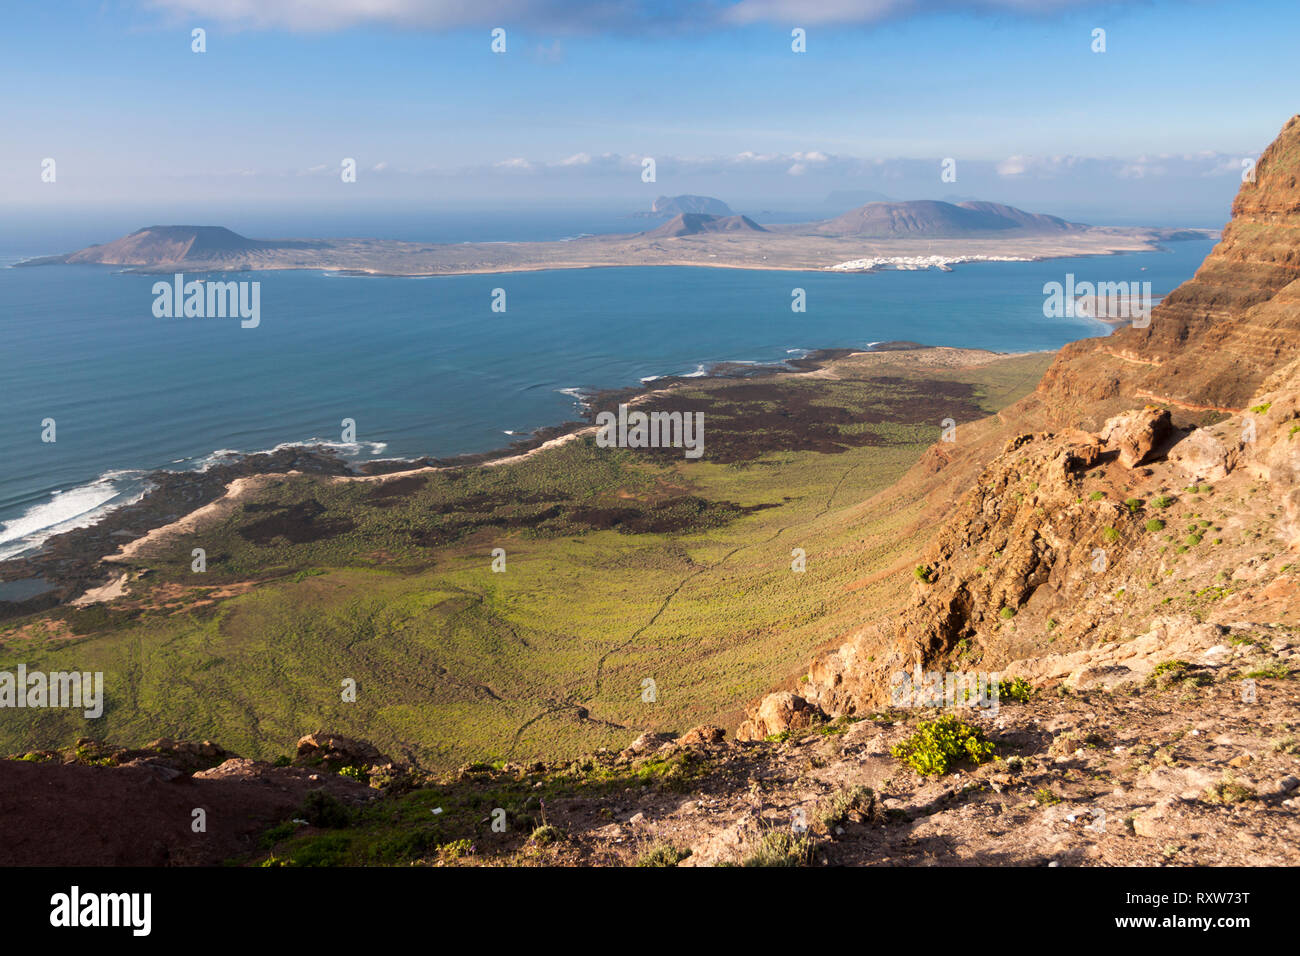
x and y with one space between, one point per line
56 814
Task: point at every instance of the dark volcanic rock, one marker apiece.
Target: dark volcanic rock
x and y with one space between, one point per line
71 561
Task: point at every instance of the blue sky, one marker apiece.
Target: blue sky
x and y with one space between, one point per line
887 88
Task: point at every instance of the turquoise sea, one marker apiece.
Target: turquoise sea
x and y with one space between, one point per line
424 366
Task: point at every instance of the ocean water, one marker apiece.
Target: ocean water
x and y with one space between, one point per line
424 366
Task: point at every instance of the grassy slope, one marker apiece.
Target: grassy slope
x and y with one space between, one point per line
456 663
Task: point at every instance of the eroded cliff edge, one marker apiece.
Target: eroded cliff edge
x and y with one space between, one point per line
1156 469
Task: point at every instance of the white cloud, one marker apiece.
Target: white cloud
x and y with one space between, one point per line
1038 166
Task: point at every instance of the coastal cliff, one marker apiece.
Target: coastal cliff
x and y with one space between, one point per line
1068 533
1214 340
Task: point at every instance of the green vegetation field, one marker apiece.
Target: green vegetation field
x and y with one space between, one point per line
620 569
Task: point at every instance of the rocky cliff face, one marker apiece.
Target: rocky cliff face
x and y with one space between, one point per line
1213 341
1186 494
1063 546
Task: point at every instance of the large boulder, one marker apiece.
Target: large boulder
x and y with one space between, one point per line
1206 454
701 736
777 714
647 743
1136 434
334 751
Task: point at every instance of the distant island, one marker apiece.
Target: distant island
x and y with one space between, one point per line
665 207
874 236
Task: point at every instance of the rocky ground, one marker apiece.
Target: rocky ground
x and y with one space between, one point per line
1189 764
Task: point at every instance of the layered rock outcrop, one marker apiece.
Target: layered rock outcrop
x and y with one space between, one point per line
1074 532
1212 343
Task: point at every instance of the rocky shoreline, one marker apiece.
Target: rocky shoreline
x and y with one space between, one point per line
69 564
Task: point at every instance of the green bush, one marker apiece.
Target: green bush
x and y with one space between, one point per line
782 848
1173 672
1109 535
937 744
1017 689
281 831
1227 791
329 850
546 835
1007 613
851 801
662 854
1277 670
320 809
1155 524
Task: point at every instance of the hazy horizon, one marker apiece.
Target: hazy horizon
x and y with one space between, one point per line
715 93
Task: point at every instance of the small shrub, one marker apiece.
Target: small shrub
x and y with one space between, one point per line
857 801
1017 689
662 854
1109 535
937 744
1173 672
1046 797
1155 524
922 573
782 848
1227 791
329 850
1277 670
1007 613
1134 505
320 809
281 831
453 851
546 834
1097 496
